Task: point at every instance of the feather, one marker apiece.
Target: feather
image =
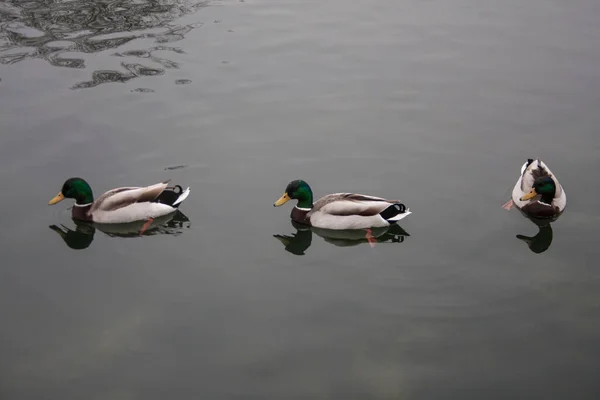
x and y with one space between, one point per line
182 197
122 197
345 204
132 212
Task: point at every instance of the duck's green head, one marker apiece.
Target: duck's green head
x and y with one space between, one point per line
297 190
74 188
544 186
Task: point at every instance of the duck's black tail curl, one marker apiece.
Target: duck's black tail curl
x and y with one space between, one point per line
392 211
170 195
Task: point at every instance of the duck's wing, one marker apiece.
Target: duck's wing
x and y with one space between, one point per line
344 204
122 197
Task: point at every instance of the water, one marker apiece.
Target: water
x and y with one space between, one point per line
437 103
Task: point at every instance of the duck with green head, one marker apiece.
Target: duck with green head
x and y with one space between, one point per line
121 205
341 210
537 193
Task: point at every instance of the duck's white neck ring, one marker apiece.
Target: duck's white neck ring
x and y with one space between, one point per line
82 205
303 209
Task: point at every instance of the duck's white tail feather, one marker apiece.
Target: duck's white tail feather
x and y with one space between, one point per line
182 197
523 168
398 217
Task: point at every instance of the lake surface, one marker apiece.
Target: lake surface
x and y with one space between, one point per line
437 103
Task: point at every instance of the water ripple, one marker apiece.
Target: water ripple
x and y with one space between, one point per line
46 29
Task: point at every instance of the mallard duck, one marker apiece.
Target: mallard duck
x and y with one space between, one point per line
537 193
341 210
121 205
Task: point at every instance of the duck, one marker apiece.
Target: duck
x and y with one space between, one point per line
537 193
121 205
341 211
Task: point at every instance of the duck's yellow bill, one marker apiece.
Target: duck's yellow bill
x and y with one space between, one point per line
532 193
58 198
282 200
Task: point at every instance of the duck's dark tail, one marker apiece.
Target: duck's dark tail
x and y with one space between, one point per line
395 213
173 196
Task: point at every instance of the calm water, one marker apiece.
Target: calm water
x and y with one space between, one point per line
435 102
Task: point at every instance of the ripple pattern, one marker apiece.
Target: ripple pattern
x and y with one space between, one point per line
48 29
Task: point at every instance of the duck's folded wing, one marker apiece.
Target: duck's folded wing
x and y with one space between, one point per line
122 197
344 204
528 177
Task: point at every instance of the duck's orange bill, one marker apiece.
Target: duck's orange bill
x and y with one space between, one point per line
58 198
282 200
532 193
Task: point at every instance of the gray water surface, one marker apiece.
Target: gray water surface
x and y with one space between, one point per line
437 103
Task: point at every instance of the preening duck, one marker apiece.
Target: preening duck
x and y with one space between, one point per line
537 193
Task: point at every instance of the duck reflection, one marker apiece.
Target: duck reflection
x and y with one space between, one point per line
55 31
297 243
84 232
77 239
542 241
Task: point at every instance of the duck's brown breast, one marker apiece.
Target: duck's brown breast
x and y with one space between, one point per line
540 210
299 215
81 213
